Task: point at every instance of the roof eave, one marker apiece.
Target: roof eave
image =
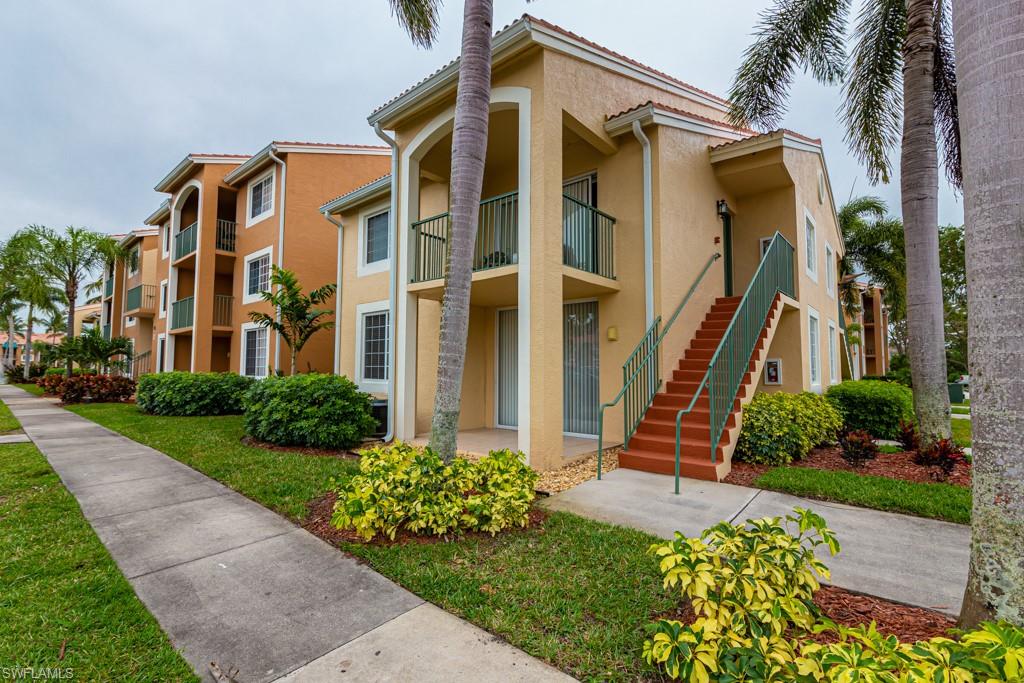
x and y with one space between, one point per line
652 114
377 188
160 215
254 164
168 182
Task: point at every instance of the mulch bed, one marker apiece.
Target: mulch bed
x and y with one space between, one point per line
302 450
318 523
892 465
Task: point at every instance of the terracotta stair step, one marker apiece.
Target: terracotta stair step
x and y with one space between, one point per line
688 375
688 430
700 415
715 334
689 465
660 443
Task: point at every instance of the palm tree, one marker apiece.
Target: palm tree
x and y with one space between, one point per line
874 246
893 38
91 350
296 319
55 323
991 64
35 291
68 258
469 148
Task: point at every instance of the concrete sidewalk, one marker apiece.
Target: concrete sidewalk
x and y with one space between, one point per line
908 559
233 583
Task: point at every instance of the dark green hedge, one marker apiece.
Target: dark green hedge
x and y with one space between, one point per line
188 393
315 410
873 406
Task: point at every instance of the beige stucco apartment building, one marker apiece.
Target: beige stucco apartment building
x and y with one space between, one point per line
609 188
871 356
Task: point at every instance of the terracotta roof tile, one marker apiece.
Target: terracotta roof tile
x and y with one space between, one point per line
813 141
356 189
327 144
683 112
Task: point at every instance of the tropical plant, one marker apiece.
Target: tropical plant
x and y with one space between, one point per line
988 40
56 323
91 350
192 393
295 317
893 38
35 291
857 447
952 256
68 258
874 247
469 150
873 406
779 428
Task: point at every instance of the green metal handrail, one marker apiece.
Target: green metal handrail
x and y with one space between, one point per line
732 357
185 241
497 239
182 312
642 372
588 238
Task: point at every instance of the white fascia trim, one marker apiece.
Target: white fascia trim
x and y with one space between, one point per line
356 150
813 313
830 265
652 114
159 217
378 188
759 143
185 166
372 386
251 220
246 297
247 327
362 267
813 274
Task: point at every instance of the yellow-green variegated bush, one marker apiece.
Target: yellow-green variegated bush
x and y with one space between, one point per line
751 587
400 487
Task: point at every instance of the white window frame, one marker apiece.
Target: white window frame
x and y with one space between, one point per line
165 240
161 352
814 347
833 353
264 369
267 251
373 386
830 271
129 321
164 294
251 220
810 265
134 261
362 267
762 246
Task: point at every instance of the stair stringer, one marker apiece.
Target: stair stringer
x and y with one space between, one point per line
759 358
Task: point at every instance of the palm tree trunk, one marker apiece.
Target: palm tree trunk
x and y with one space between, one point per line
990 68
26 371
469 149
71 290
294 355
11 353
919 188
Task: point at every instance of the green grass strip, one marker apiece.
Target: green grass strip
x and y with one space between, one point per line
31 388
938 500
961 432
8 423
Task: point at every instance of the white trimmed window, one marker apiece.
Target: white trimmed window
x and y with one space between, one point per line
833 353
811 247
765 242
257 275
165 239
373 346
161 352
374 240
814 341
261 199
255 345
129 321
133 261
830 270
163 298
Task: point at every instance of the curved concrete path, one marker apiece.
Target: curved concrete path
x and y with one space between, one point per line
233 583
908 559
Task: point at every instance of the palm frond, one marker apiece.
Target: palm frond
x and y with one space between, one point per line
419 18
873 98
793 33
947 117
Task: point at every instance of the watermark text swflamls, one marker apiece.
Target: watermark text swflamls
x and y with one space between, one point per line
36 673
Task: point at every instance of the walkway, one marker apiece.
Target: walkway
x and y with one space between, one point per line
908 559
234 583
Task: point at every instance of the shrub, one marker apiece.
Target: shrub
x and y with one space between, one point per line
192 393
908 437
403 488
96 388
17 372
876 407
944 455
320 411
858 447
51 383
779 428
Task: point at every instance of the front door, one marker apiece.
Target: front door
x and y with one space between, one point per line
581 377
508 368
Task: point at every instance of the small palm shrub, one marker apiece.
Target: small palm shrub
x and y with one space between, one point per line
779 428
96 389
943 455
858 447
400 487
192 393
314 410
908 437
16 373
873 406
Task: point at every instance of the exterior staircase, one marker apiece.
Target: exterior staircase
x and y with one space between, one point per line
652 446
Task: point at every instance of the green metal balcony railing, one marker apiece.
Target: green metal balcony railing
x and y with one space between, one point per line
588 238
641 373
182 312
226 231
106 331
108 287
497 239
731 359
185 241
140 364
140 299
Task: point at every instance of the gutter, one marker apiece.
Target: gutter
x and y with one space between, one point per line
280 246
638 131
337 294
393 280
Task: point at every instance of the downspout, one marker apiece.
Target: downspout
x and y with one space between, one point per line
393 283
638 131
337 294
280 248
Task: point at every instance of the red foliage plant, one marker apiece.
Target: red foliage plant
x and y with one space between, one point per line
858 447
909 439
96 388
943 455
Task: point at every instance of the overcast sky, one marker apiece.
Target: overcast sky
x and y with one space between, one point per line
100 99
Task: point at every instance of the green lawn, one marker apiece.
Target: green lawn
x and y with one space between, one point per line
960 410
7 421
961 432
939 501
31 388
61 589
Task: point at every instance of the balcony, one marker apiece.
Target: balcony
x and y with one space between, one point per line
226 231
108 288
140 365
185 241
140 300
588 238
106 331
182 313
222 306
